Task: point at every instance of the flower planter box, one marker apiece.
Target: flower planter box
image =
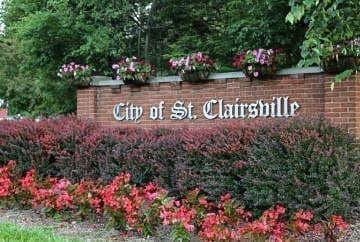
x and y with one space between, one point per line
193 68
342 63
259 63
194 76
262 71
138 79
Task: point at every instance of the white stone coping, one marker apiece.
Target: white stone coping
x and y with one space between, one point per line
106 81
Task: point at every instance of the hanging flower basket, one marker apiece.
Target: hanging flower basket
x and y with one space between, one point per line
82 83
77 75
339 64
194 76
260 71
133 71
342 57
137 79
259 63
193 68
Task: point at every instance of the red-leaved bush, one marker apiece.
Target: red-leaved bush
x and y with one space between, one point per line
76 149
300 163
145 208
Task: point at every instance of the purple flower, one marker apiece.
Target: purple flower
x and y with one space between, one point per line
256 74
258 55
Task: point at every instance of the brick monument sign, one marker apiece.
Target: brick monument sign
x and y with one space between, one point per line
169 102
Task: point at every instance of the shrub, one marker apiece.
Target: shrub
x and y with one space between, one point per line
175 159
214 158
60 147
303 164
145 208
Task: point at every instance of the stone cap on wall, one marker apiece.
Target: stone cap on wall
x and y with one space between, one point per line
107 81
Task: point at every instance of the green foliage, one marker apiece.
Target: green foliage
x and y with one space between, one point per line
309 165
261 24
179 234
328 23
342 76
41 35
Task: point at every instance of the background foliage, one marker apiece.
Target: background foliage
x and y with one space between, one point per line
40 35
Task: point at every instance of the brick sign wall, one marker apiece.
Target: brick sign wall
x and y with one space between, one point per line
166 103
3 113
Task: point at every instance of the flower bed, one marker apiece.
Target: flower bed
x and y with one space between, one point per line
145 208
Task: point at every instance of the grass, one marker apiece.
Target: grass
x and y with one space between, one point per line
12 233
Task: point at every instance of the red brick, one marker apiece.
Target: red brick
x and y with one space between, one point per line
312 91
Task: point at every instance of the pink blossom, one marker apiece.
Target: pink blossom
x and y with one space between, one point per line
115 66
187 63
199 56
131 67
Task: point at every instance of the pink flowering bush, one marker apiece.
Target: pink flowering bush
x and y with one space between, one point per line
260 62
130 206
133 70
146 208
6 184
76 74
193 67
53 194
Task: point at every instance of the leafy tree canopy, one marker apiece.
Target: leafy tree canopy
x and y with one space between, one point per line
41 35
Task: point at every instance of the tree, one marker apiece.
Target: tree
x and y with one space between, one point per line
328 23
258 23
49 33
41 35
